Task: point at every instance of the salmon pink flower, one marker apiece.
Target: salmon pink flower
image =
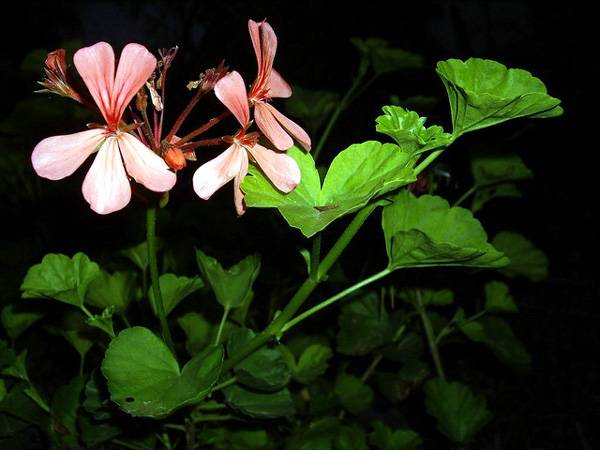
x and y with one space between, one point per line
269 84
106 186
232 164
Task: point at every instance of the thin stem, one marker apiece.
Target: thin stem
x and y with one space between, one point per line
465 196
147 129
207 126
315 256
202 143
371 367
221 325
331 300
158 300
303 291
225 383
213 418
342 105
433 348
430 158
185 113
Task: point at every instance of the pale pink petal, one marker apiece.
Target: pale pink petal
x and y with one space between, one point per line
145 166
292 127
281 169
278 87
96 65
211 176
106 187
238 194
136 64
270 127
268 47
253 28
232 92
57 157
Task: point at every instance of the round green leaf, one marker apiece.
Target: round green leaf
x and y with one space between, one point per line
144 378
61 278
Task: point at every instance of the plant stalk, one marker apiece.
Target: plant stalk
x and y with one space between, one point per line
433 348
158 300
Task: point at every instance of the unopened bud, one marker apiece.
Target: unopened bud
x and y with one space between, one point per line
174 158
57 81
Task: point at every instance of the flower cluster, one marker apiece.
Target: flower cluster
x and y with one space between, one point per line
135 149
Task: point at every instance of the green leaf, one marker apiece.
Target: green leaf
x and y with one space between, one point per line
262 405
525 258
230 286
18 403
364 326
350 438
385 59
356 175
495 167
429 297
409 130
460 414
499 337
426 231
116 290
16 319
174 289
264 369
96 397
317 435
354 394
501 190
384 438
18 370
498 298
138 254
103 321
63 411
198 331
144 378
483 93
312 107
61 278
312 363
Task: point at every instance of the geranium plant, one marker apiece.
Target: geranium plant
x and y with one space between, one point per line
223 356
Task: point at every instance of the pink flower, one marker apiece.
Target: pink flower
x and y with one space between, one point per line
106 186
269 84
232 164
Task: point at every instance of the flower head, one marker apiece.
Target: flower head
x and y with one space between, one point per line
232 164
106 186
269 84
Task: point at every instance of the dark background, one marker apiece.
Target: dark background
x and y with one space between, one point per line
555 406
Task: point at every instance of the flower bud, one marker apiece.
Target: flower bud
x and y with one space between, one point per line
57 80
174 158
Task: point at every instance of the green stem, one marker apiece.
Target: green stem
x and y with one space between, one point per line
315 256
342 105
221 325
224 384
420 307
309 285
430 158
465 196
158 300
331 300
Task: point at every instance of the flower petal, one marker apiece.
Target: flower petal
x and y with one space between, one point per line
238 194
232 92
268 48
145 166
136 64
106 187
270 127
254 29
96 65
211 176
281 169
58 157
292 127
278 87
